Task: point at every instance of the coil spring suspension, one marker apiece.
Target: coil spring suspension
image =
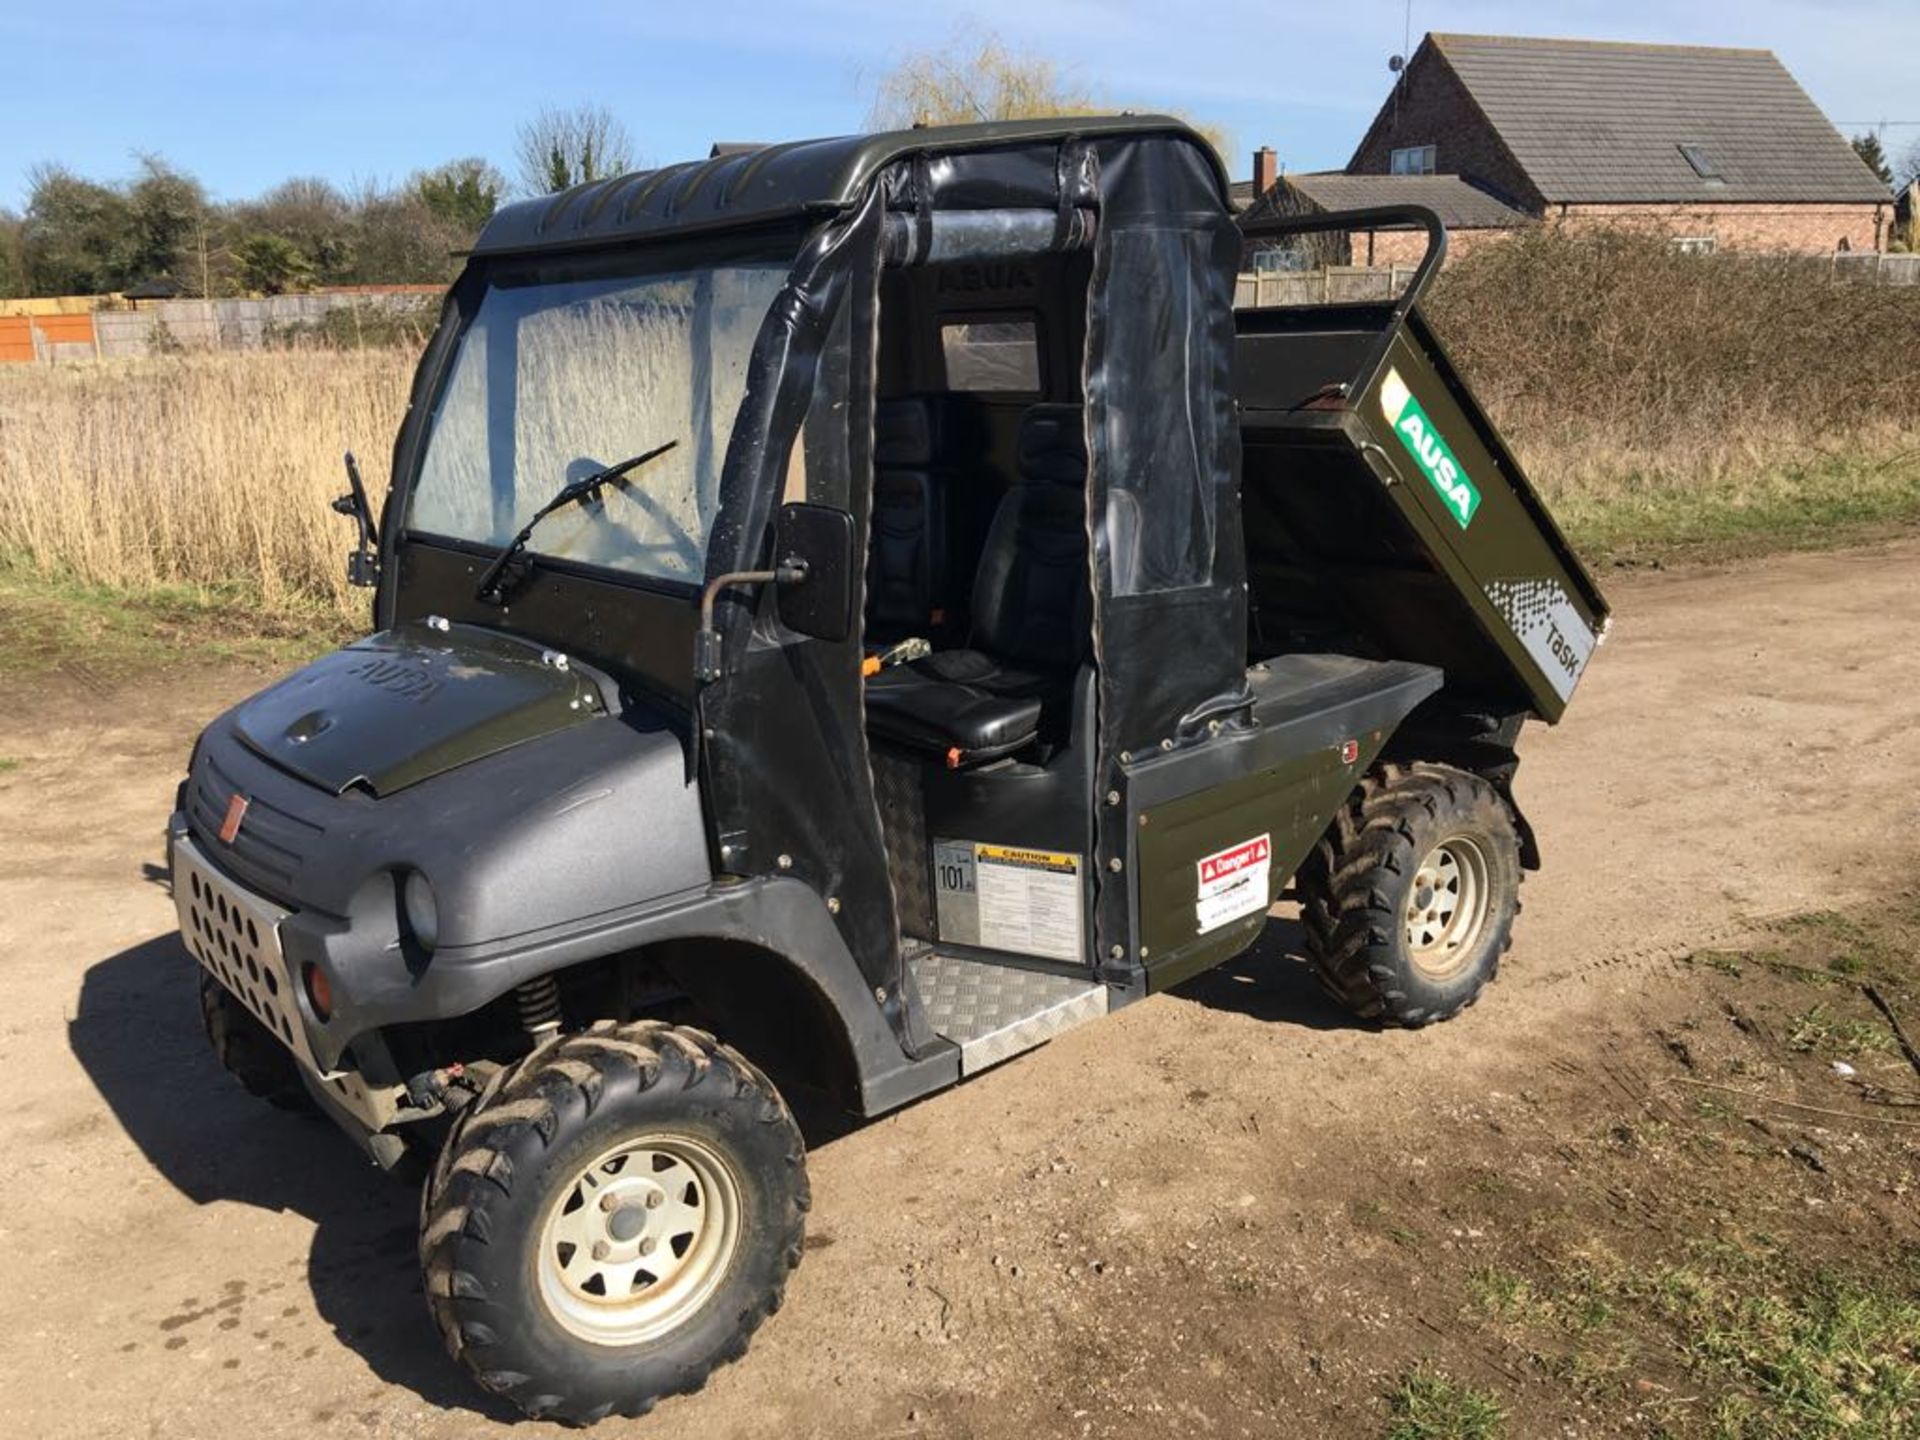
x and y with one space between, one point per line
539 1002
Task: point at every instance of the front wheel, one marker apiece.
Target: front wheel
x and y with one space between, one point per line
1410 897
612 1219
249 1050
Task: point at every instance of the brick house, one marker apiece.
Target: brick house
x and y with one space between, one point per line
1719 148
1471 214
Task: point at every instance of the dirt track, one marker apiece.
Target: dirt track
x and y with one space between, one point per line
1145 1228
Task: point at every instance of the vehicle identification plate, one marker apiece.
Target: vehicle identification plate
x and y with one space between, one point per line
1006 897
1234 882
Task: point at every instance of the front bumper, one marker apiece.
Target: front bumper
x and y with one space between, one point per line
235 935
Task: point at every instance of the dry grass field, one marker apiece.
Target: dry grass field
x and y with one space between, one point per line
201 470
1665 405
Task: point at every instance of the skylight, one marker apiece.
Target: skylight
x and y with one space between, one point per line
1702 166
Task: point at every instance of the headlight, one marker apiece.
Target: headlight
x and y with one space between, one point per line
422 911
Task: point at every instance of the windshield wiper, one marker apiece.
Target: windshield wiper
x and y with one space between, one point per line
493 584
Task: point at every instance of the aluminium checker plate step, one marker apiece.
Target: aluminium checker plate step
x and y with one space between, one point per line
993 1012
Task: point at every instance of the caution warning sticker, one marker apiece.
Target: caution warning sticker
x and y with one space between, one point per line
1007 897
1234 882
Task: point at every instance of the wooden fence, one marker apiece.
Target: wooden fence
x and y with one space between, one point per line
35 330
1876 268
1327 285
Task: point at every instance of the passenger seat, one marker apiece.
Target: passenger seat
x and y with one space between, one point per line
1032 616
922 446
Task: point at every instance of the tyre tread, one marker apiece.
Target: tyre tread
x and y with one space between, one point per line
1350 922
523 1100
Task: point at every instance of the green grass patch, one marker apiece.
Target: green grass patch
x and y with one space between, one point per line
1428 1404
49 623
1820 1031
1637 518
1829 1357
8 765
1731 963
1779 1352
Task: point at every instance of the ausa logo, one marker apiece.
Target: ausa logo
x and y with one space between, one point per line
1416 431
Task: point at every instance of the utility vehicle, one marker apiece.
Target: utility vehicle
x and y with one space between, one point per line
846 613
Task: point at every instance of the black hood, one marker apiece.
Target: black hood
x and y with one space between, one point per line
410 703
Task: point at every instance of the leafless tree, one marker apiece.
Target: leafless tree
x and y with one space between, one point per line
976 76
561 148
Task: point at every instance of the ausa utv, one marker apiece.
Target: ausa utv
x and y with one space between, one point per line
876 600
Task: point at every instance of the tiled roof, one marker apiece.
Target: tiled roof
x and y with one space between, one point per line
1459 204
1593 121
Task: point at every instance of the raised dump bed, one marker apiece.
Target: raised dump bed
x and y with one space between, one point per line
1384 515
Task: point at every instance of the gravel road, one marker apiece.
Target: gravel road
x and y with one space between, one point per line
1142 1228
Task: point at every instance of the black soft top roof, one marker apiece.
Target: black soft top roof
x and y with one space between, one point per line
793 179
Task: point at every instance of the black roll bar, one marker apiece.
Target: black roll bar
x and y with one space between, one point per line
1373 218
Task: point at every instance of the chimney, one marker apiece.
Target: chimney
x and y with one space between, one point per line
1266 170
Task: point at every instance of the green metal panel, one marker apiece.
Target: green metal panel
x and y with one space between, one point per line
1290 804
1479 520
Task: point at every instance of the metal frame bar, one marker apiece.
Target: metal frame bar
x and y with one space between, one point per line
1373 218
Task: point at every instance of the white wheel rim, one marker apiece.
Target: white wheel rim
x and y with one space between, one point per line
1447 907
639 1240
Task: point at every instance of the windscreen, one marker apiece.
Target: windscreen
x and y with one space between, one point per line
558 376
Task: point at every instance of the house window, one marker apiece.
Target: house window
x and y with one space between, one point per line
1413 160
992 357
1275 258
1696 244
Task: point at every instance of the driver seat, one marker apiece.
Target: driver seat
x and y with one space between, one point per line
1032 616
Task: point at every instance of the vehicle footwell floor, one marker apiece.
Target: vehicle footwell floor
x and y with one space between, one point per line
1661 1180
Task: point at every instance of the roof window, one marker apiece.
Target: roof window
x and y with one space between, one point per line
1695 156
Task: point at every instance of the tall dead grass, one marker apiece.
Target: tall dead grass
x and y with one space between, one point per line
1641 388
199 469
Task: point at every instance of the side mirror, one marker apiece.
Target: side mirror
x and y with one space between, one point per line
816 540
363 565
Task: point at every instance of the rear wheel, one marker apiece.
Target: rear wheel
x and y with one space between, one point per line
612 1219
1410 897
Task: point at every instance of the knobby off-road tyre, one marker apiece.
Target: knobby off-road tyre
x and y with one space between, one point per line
249 1051
1409 898
612 1218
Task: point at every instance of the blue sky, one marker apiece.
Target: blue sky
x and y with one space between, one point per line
246 95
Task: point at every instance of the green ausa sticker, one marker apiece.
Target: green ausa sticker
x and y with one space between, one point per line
1422 439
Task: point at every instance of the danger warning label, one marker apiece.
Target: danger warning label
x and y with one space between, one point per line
1234 882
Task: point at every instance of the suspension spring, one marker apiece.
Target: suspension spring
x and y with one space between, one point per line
539 1002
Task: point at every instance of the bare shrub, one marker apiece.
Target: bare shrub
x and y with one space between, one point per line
1611 337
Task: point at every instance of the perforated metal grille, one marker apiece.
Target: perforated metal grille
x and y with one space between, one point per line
238 940
235 934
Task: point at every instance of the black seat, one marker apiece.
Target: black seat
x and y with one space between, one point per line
1032 616
922 445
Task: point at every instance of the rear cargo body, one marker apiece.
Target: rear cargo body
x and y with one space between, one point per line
1385 517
